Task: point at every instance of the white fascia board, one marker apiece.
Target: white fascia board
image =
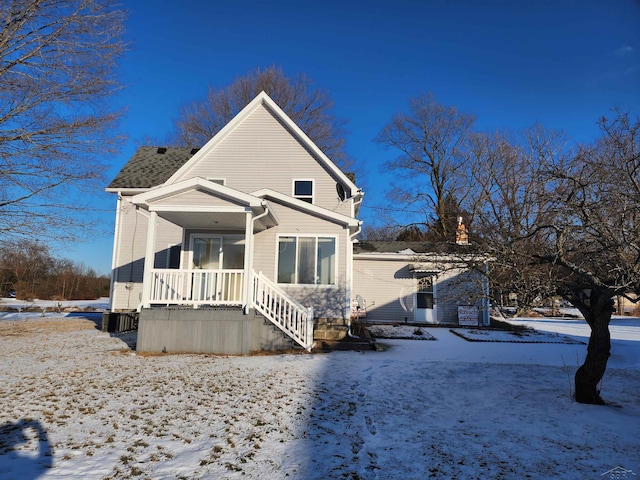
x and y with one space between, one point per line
193 184
198 209
272 214
263 99
307 207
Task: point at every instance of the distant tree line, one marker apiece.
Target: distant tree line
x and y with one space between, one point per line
28 269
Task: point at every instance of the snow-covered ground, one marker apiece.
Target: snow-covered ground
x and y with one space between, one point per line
77 403
14 309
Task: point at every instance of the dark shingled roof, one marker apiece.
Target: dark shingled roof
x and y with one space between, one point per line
151 166
418 247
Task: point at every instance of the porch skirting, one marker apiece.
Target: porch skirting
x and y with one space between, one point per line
207 330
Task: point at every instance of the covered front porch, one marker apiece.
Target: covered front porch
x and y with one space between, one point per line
214 267
215 257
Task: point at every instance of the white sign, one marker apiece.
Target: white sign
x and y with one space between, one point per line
468 315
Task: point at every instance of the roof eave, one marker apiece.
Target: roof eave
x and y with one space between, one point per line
126 191
308 207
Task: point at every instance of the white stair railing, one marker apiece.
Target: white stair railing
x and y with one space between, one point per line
276 305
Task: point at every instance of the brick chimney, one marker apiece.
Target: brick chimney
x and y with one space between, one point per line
462 236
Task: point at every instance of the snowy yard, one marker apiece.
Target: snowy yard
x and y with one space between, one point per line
77 403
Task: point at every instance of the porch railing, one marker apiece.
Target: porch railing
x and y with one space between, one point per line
226 287
197 287
277 306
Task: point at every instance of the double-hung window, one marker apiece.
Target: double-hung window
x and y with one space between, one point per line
303 190
307 260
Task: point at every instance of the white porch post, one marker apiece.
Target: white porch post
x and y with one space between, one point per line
149 258
247 299
115 256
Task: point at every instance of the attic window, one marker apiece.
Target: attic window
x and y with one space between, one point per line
162 150
303 190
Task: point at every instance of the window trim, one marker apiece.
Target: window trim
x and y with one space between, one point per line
305 198
317 236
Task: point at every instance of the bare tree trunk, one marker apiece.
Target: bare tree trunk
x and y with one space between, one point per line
592 370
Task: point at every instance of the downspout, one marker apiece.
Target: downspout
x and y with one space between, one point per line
356 204
351 238
249 282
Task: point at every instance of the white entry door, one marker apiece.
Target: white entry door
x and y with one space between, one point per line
216 261
425 301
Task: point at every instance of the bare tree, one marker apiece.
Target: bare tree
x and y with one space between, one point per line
507 205
371 233
57 71
432 140
565 222
308 107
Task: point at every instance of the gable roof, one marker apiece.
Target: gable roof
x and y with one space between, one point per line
201 184
263 99
150 167
196 214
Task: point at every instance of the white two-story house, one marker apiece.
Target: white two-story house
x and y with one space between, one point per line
236 246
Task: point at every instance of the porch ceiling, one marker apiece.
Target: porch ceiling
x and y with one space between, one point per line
216 220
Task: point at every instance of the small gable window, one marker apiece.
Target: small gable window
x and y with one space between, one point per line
303 190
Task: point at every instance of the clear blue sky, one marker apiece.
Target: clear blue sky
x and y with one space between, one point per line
512 63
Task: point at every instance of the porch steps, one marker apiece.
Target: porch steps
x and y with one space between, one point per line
268 324
283 311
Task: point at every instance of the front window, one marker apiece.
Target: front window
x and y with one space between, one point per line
307 260
303 190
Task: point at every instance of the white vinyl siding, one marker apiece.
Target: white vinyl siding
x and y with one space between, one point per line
261 153
328 300
388 288
129 261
